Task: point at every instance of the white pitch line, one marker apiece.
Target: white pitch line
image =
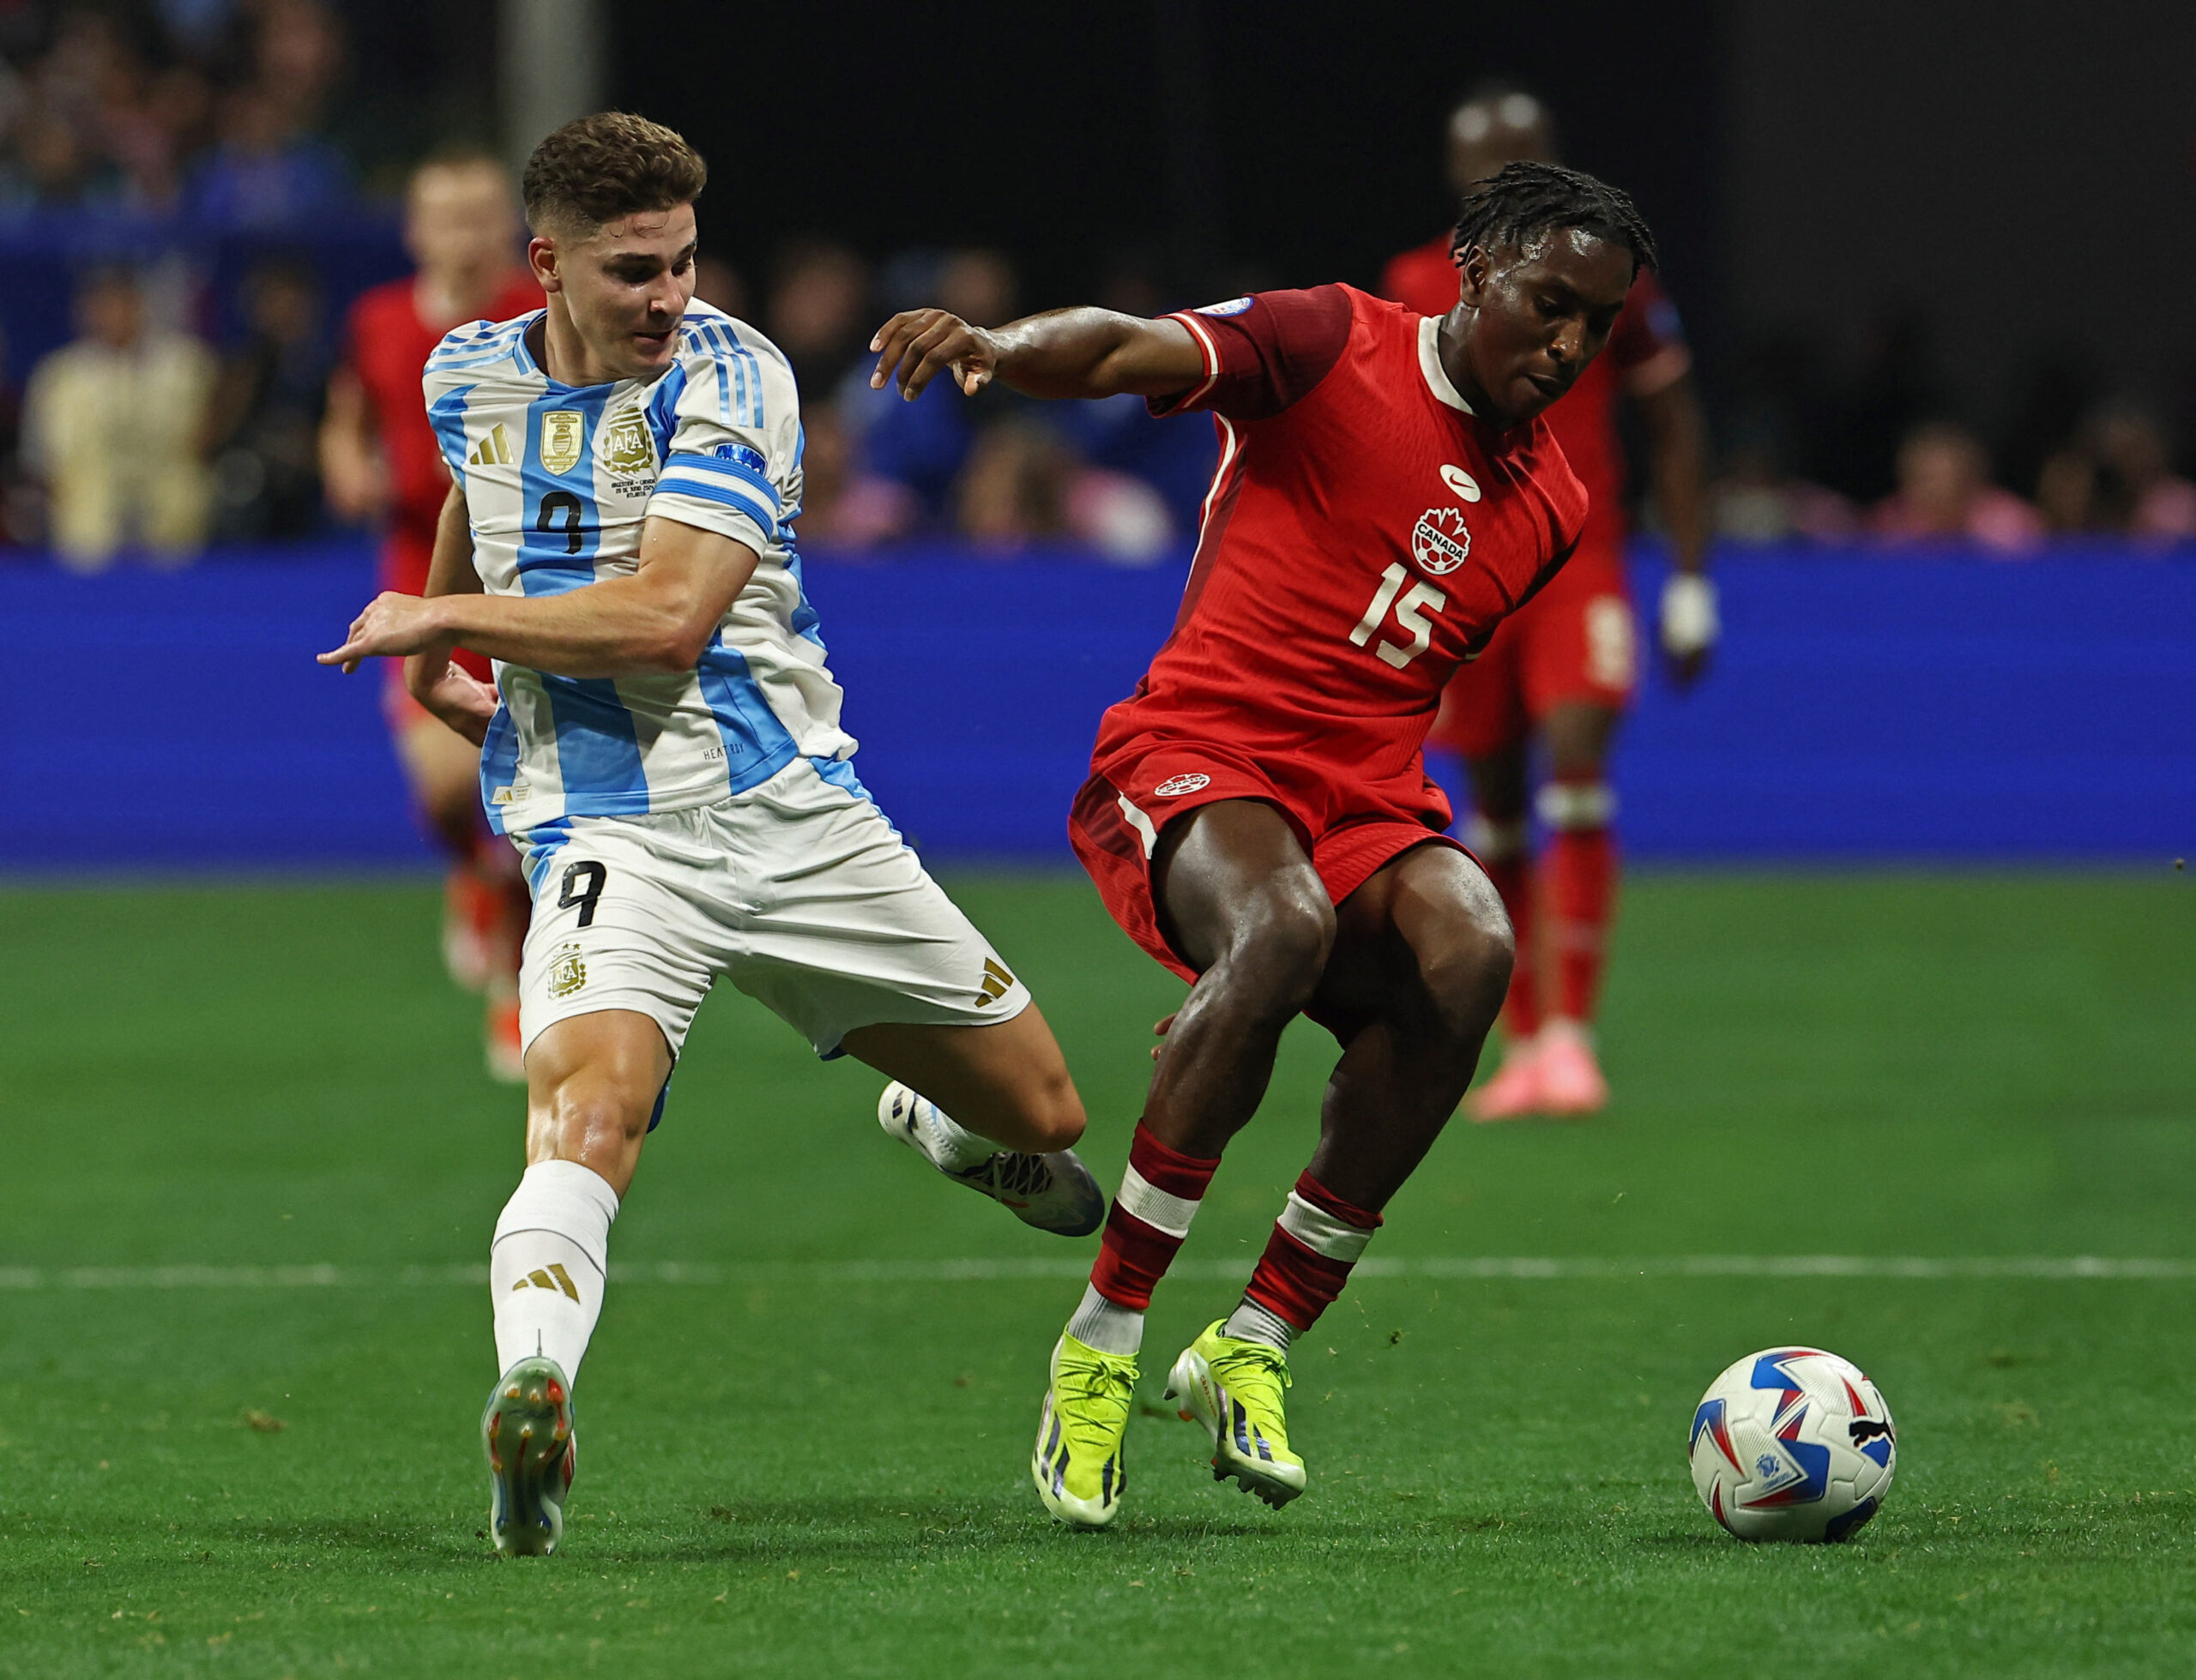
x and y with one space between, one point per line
1463 1268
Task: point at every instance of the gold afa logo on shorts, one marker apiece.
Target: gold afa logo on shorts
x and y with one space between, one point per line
567 973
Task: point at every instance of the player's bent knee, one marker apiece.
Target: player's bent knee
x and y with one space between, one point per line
596 1109
1465 955
594 1081
1467 978
1036 1108
1052 1116
1280 947
598 1122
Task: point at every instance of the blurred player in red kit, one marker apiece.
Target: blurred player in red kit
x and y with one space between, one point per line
1259 816
1564 669
379 460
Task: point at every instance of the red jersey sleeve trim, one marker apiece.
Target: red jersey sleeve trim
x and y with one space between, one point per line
1264 352
1208 350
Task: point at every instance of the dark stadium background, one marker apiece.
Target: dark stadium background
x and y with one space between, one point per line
1867 220
1295 137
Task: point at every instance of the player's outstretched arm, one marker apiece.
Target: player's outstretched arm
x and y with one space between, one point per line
1075 352
658 619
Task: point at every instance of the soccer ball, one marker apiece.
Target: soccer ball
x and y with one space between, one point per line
1792 1443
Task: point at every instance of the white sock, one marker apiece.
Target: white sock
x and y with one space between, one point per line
949 1143
1252 1322
1106 1325
549 1263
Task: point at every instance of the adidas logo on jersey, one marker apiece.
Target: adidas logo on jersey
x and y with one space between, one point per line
493 450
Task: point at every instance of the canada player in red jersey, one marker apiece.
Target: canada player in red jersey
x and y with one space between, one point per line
379 460
1564 669
1258 817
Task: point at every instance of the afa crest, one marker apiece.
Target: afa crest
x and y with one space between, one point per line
564 436
567 973
625 445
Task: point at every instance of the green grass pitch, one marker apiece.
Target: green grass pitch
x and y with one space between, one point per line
792 1470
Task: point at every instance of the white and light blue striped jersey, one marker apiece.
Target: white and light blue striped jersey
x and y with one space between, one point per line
556 481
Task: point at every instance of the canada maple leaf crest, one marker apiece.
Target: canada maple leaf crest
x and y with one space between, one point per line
1440 541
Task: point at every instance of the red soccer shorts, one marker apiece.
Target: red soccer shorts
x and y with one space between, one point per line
1575 640
405 553
1349 827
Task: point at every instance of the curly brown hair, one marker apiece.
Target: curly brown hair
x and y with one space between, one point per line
596 169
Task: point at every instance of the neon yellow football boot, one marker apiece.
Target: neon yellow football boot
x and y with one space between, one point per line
1078 1464
1232 1387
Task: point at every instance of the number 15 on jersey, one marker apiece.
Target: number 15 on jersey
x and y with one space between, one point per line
1410 613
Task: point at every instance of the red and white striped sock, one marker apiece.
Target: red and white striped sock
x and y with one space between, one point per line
1160 1193
1582 877
1315 1243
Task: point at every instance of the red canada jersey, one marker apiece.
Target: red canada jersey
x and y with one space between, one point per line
386 347
1646 351
1364 535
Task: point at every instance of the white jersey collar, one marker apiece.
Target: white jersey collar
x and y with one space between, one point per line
1429 363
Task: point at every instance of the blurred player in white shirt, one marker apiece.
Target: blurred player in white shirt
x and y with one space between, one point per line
666 753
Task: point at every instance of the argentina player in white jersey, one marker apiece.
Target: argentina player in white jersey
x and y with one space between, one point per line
663 744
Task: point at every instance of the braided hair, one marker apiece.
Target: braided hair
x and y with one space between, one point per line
1526 200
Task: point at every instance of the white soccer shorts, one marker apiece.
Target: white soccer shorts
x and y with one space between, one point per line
797 891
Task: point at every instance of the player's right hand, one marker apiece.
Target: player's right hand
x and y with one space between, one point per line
392 623
915 344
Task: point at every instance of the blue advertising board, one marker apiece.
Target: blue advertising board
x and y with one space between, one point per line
1863 708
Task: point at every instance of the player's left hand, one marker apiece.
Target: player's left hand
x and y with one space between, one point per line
1690 626
392 623
461 701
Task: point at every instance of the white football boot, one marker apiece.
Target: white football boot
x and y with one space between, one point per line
1053 1192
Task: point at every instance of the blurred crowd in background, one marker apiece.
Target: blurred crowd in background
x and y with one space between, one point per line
186 408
